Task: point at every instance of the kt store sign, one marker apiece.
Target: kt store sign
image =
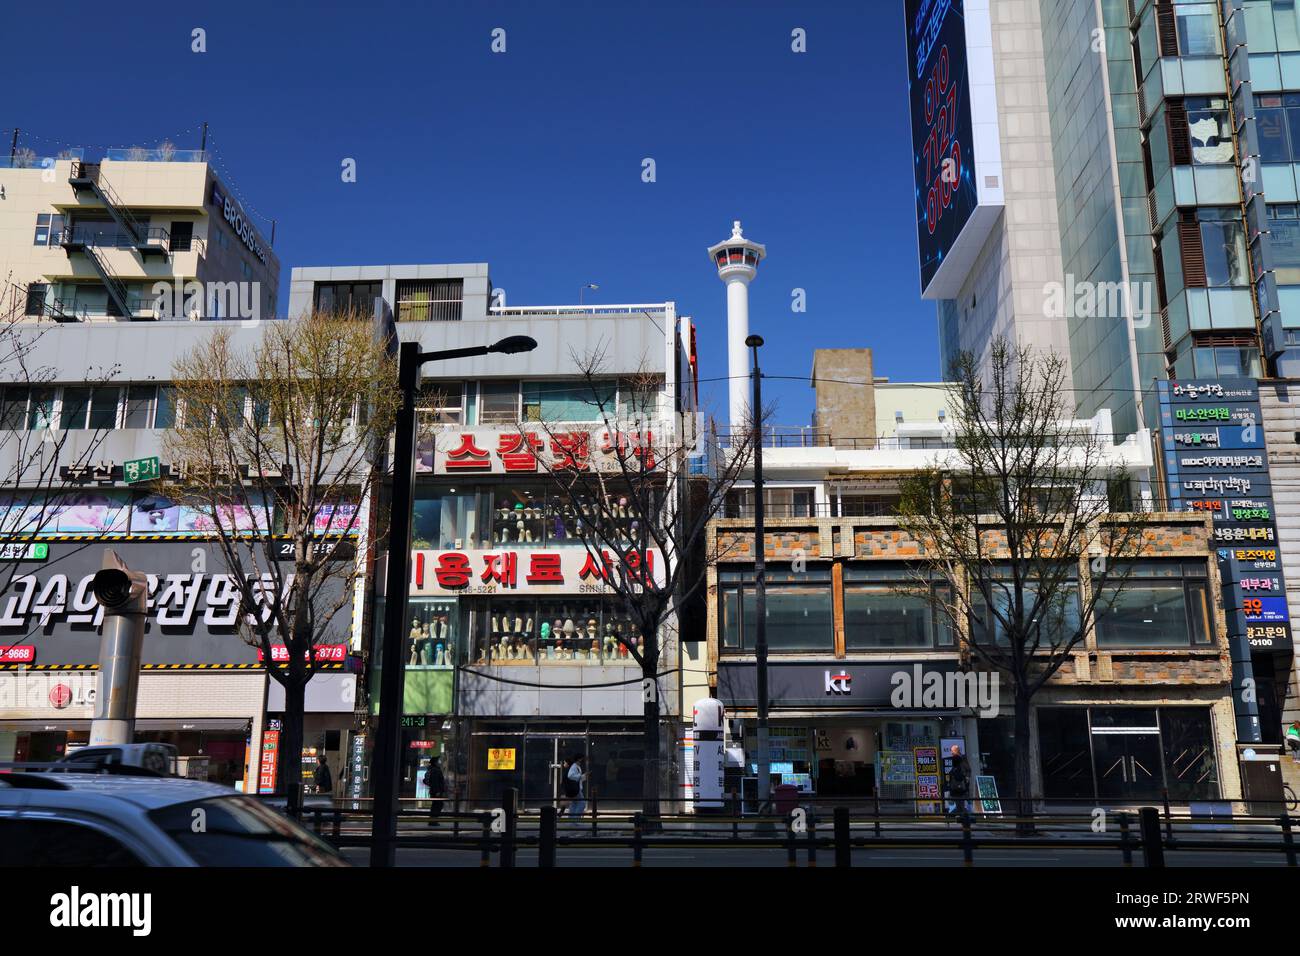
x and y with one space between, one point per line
531 571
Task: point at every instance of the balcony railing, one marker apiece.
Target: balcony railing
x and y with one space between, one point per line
782 436
138 154
577 310
88 236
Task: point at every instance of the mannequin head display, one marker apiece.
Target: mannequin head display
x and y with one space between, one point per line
546 630
496 625
450 659
591 628
415 653
503 648
593 653
519 625
440 655
568 627
521 526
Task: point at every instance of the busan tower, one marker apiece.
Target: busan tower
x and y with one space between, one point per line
737 260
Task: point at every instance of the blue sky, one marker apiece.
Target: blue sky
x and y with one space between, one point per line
531 160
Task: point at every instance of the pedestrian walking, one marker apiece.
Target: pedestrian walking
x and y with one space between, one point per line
1293 739
436 783
324 782
575 787
958 782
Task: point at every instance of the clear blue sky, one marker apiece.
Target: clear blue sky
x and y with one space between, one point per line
531 160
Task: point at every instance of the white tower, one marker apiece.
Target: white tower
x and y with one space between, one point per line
737 260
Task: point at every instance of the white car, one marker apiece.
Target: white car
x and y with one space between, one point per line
106 819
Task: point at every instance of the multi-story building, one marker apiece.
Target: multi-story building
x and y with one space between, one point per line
135 234
845 617
107 264
513 661
1156 192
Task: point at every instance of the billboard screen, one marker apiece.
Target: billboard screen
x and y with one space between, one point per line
943 147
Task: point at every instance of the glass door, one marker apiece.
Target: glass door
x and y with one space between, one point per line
1126 754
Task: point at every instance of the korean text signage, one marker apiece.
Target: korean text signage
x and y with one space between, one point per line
943 149
1216 463
193 610
526 571
270 759
521 451
235 218
501 758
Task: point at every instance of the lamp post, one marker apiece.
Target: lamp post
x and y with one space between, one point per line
385 759
760 574
589 285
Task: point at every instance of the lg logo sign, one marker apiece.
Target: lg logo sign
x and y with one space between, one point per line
839 683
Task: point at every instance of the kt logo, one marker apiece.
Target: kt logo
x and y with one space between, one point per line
838 683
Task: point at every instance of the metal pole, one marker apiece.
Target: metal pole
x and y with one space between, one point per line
121 593
385 760
203 146
13 147
760 578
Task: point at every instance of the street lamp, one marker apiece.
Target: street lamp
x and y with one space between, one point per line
385 758
589 285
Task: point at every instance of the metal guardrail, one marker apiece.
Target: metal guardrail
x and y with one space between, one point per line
502 828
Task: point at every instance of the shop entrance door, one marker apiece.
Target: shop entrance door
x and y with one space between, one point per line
1128 763
545 762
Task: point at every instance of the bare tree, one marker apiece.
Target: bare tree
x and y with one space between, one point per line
1015 518
277 448
642 512
42 462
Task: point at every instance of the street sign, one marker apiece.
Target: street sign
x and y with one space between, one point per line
141 469
36 551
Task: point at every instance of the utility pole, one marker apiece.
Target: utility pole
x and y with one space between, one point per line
121 593
13 147
203 146
760 575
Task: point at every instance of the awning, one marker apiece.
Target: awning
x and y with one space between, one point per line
883 713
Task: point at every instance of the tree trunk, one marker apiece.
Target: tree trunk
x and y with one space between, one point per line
650 728
295 699
1023 763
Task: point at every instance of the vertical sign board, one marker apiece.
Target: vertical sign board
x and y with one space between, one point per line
926 763
356 776
270 758
1216 463
943 141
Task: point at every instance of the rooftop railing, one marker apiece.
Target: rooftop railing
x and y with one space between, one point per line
138 154
540 310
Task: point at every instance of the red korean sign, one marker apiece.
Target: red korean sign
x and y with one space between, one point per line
324 653
529 571
540 451
18 654
269 762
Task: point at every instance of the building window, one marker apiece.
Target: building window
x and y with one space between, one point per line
29 409
498 403
888 607
181 235
799 611
568 401
573 629
49 229
36 293
1225 362
1224 242
356 297
429 300
1158 604
1209 129
1056 621
1198 29
777 502
91 408
1284 242
441 403
1277 121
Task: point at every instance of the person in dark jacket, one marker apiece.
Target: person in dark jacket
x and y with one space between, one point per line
958 782
324 782
437 786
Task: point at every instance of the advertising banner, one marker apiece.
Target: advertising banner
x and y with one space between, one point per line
1216 462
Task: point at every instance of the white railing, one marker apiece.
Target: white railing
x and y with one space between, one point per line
577 309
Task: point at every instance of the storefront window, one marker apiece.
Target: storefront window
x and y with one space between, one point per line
799 611
449 519
575 629
1065 753
1158 604
431 641
889 607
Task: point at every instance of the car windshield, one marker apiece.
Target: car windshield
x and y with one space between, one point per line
239 831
